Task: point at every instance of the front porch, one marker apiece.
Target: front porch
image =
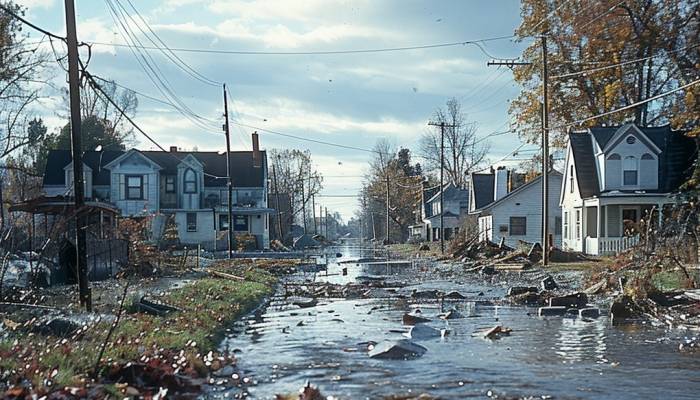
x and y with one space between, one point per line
610 225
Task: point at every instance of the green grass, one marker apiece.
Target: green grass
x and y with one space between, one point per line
668 280
209 306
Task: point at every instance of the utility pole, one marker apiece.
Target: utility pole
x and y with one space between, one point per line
77 153
277 200
303 203
313 208
228 175
442 126
387 205
545 156
326 221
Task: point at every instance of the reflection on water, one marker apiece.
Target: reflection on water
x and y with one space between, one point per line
284 346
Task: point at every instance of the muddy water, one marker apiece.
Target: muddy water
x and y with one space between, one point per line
283 347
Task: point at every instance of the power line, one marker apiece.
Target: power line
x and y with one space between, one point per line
24 21
621 63
321 52
658 96
611 9
172 56
97 87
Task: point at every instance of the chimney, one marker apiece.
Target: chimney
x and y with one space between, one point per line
500 183
257 162
173 149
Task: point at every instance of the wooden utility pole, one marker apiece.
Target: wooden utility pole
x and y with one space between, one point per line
303 203
77 157
387 206
228 177
277 200
313 208
326 222
545 156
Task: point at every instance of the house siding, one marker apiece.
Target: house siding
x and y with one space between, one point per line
527 203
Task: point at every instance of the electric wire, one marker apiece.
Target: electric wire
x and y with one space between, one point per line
171 55
320 52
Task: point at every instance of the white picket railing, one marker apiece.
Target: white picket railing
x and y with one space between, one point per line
610 245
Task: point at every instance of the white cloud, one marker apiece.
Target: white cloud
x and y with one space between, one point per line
32 4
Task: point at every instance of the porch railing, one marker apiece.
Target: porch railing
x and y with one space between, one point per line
610 245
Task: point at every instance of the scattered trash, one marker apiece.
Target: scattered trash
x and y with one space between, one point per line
150 307
413 319
551 311
518 290
590 312
496 332
575 300
305 302
403 349
423 331
548 283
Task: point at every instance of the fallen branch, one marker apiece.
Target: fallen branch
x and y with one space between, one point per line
224 275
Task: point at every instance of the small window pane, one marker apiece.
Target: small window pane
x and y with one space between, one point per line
134 187
630 178
191 222
170 184
518 226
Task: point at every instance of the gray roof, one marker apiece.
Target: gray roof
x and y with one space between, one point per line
584 160
243 172
482 185
677 157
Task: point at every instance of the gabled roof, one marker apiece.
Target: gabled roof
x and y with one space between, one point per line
676 158
482 189
584 164
244 174
514 193
451 192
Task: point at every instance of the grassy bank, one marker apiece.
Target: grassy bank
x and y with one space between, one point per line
175 344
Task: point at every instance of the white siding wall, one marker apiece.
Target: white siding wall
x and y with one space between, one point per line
205 227
570 202
613 172
527 203
135 164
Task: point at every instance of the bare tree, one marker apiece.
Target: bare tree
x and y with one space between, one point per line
295 175
464 153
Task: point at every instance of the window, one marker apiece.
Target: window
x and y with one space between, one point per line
566 225
631 140
169 184
557 226
240 223
191 222
190 181
134 187
571 179
518 226
223 222
629 174
578 224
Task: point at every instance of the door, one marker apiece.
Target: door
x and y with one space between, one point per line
630 221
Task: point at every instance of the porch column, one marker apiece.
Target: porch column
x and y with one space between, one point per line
598 220
661 213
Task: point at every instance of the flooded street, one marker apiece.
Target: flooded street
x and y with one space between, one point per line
283 346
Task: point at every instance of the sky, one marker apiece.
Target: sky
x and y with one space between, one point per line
348 99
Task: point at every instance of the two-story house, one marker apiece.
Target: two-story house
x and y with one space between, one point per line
456 203
615 178
190 185
509 209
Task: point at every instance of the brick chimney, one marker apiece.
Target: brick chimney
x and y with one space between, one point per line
173 149
257 159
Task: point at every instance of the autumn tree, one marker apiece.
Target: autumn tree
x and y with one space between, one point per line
463 152
607 55
390 169
293 173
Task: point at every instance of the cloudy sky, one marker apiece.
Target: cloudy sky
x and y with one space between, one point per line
349 99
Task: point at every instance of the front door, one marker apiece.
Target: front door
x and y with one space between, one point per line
630 221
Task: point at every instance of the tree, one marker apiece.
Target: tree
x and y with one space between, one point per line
295 175
404 185
22 65
463 152
654 41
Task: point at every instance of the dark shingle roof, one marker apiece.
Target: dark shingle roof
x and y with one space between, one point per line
678 154
58 159
483 189
243 172
585 165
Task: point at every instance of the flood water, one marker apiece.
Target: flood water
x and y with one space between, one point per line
283 346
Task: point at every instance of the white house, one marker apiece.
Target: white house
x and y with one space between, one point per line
456 203
511 210
190 185
617 177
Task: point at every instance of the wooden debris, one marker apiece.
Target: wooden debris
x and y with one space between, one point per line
224 275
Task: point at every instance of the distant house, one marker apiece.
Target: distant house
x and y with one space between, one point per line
189 185
282 217
617 177
509 209
456 204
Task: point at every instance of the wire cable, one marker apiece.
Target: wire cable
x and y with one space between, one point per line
321 52
24 21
